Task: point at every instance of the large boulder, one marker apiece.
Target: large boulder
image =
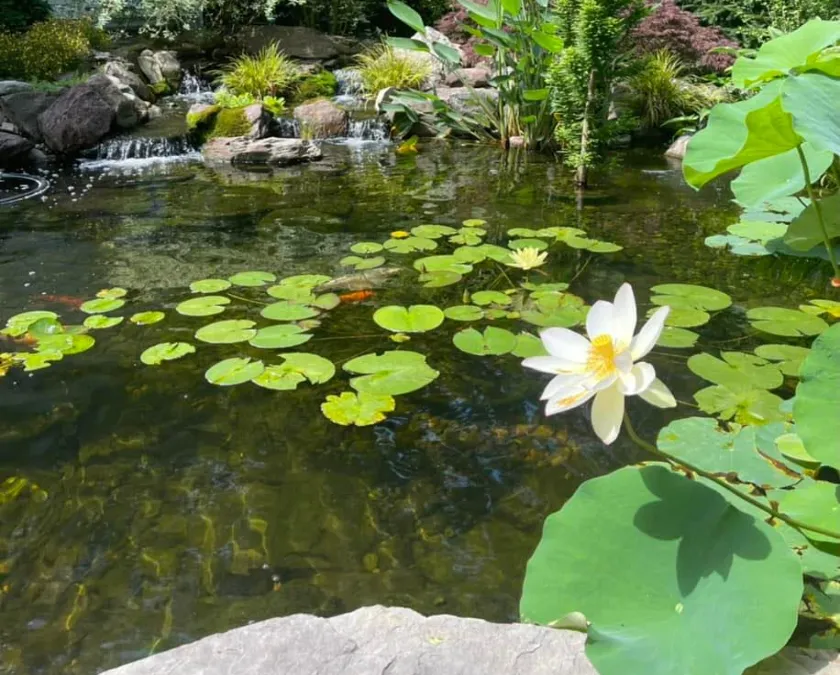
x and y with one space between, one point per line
322 119
78 119
22 110
161 68
127 107
466 101
267 151
14 150
123 72
477 77
298 42
13 87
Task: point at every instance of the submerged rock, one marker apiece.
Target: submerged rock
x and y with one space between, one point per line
322 119
678 147
78 119
267 151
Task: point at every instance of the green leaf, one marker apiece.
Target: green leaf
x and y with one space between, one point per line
812 101
360 264
101 305
414 319
234 371
464 313
805 231
818 399
467 237
98 321
817 307
305 280
685 317
204 306
361 409
488 11
690 296
535 94
252 278
564 317
814 502
469 254
446 53
366 247
19 324
226 332
663 568
528 345
483 298
66 343
474 222
288 311
551 43
494 252
432 231
512 7
737 371
742 405
485 50
410 245
47 326
166 351
408 43
407 15
677 338
296 368
442 263
494 341
760 231
538 244
209 285
298 294
327 301
38 360
439 278
147 318
392 373
789 357
281 336
112 293
785 322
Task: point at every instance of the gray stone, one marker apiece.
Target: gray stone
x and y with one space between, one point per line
322 119
160 66
13 150
297 42
477 78
678 147
266 151
260 120
22 110
126 106
78 119
13 87
122 72
465 100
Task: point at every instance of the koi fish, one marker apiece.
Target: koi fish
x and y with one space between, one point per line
357 296
66 300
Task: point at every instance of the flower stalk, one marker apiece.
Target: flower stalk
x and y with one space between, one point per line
818 209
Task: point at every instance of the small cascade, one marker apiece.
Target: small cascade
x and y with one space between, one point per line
371 129
349 89
286 127
195 90
139 152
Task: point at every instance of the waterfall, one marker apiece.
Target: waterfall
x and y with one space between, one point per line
371 129
349 89
286 127
139 152
195 90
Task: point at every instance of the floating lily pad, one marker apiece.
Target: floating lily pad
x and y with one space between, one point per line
469 254
414 319
483 298
38 360
564 317
544 288
689 296
410 245
524 232
494 341
327 301
305 280
494 252
366 247
227 332
45 326
439 279
166 351
432 231
528 345
209 285
816 503
785 322
147 318
442 263
281 336
737 245
252 278
789 357
98 321
538 244
66 343
464 313
474 222
761 231
295 369
361 410
399 338
392 373
677 338
467 237
101 305
112 293
744 406
359 264
736 371
685 318
828 307
299 294
234 371
288 311
203 306
19 324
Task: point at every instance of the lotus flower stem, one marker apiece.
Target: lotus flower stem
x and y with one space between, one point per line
818 208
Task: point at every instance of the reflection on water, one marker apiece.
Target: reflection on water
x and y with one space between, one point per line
146 508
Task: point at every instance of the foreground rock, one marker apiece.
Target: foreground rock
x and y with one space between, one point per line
13 87
78 119
322 119
22 109
469 77
14 150
162 69
263 152
123 72
678 147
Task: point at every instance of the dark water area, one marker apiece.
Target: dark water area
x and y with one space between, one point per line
156 508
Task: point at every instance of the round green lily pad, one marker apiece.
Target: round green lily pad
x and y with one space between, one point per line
209 285
362 409
392 373
281 336
432 231
166 351
690 296
414 319
288 311
494 341
99 321
254 278
295 369
360 264
147 318
112 293
366 247
18 324
483 298
234 371
464 313
786 322
206 305
439 278
227 332
538 244
677 338
410 245
101 305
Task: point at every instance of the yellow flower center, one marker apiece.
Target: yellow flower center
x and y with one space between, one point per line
601 361
400 234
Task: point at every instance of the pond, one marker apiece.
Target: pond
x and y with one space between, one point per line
148 508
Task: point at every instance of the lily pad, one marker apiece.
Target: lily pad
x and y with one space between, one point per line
46 326
227 332
785 322
147 318
467 237
689 296
816 503
19 324
203 306
442 263
253 278
327 301
483 298
392 373
432 231
677 338
737 371
281 336
166 351
98 321
439 278
552 287
494 341
305 280
528 345
564 317
112 293
414 319
685 318
209 285
288 311
494 252
830 308
101 305
359 264
66 343
362 409
295 369
789 357
38 360
366 247
464 313
538 244
234 371
410 245
299 294
469 254
474 222
742 405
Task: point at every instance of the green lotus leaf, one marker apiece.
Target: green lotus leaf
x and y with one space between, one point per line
817 307
46 326
281 336
288 311
19 324
677 338
226 332
673 601
305 280
483 298
814 502
598 246
544 288
66 343
147 318
392 373
410 245
805 231
296 368
432 231
736 371
466 239
564 317
234 371
363 409
494 252
791 446
824 605
366 247
299 294
682 317
699 297
442 263
101 305
538 244
811 99
414 319
744 406
493 342
525 232
789 357
785 322
464 313
206 305
209 285
253 278
166 351
98 321
439 278
758 230
469 254
818 399
528 345
474 222
112 293
737 245
550 301
38 360
327 301
360 264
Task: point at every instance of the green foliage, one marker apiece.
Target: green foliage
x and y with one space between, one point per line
270 73
161 88
381 66
317 85
46 50
17 16
202 121
230 122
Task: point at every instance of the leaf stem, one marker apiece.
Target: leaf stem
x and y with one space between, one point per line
818 209
642 443
256 302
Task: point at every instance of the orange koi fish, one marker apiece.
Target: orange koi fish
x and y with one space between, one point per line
357 296
66 300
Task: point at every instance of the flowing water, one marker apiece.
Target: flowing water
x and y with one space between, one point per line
145 508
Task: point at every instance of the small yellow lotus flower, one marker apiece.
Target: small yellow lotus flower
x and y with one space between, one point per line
527 258
400 234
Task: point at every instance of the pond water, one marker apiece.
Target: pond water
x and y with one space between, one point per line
157 508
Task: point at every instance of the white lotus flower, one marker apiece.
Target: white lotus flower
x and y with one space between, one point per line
607 366
527 258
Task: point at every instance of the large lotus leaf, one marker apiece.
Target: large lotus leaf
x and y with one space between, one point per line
362 409
761 231
410 245
281 336
226 332
738 134
789 358
99 321
147 318
19 324
778 57
286 310
360 264
805 231
66 343
744 406
665 570
414 319
234 371
252 278
737 371
391 373
209 285
778 176
812 101
464 313
813 502
677 338
785 322
101 305
690 296
296 368
818 399
701 442
528 345
432 231
442 263
206 305
483 298
493 342
166 351
823 604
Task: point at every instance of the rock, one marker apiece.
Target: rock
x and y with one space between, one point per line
297 42
22 109
13 87
322 119
517 142
121 71
78 119
260 120
160 67
678 147
464 100
127 111
469 77
429 60
13 150
267 151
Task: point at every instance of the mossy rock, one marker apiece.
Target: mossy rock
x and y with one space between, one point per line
202 119
230 122
318 85
161 88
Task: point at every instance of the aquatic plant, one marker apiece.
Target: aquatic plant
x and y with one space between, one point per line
381 66
317 85
269 73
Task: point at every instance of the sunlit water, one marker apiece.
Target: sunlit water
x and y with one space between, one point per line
169 509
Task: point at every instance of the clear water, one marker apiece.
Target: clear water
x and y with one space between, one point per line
168 509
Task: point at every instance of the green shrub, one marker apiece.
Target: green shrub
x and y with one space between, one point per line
17 15
270 73
382 66
319 85
274 104
230 122
46 50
